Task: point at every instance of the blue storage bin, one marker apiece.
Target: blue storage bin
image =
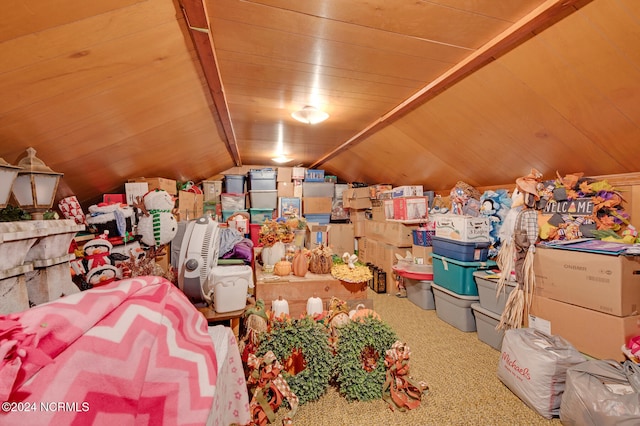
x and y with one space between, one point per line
234 183
456 275
466 251
322 219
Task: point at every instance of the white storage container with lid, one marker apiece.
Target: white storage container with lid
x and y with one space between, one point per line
228 285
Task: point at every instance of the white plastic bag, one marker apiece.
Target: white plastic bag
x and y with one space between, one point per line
533 366
601 393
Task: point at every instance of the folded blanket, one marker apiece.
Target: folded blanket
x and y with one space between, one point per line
132 352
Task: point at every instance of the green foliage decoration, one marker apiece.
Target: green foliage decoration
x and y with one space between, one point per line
355 339
312 340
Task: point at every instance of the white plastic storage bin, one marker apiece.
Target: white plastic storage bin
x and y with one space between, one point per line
487 291
486 322
419 293
318 189
263 199
232 202
454 308
228 286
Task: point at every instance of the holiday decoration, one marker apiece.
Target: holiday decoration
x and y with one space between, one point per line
255 323
157 225
280 307
116 219
518 248
321 260
349 270
400 390
269 389
300 262
302 347
359 360
273 253
282 268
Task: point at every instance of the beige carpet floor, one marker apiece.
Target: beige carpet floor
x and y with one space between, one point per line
459 368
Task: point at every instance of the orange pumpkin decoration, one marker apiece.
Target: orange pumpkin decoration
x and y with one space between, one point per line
300 264
282 268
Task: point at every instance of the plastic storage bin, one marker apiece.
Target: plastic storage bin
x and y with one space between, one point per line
229 285
486 322
314 175
226 214
455 309
235 183
260 215
262 179
419 293
456 275
263 199
318 189
232 201
487 290
322 219
472 251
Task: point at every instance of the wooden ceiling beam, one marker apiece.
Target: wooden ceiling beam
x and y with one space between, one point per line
195 15
542 17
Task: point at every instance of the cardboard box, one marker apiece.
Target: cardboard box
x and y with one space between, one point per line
297 188
285 189
342 238
375 191
168 185
605 283
594 333
389 213
463 228
298 173
313 205
386 259
410 208
317 235
377 211
289 206
190 205
422 252
407 191
285 174
395 233
135 189
356 198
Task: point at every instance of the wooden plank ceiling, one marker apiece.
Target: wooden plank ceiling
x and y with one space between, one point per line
418 92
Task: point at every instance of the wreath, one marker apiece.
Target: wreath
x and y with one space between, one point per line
361 348
302 346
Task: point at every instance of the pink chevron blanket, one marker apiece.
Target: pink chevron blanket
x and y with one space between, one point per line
132 352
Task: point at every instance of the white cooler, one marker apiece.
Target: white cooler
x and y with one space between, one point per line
228 286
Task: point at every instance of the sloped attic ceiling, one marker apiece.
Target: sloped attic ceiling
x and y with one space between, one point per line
426 92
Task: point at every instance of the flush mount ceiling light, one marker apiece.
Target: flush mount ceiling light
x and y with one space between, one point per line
281 159
310 115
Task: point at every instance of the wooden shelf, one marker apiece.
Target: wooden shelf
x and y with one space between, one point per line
296 290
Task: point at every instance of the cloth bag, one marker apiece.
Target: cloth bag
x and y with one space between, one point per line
602 393
533 366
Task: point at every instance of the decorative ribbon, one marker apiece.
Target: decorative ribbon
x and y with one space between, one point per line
399 389
270 389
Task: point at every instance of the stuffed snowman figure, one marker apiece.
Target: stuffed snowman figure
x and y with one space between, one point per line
157 226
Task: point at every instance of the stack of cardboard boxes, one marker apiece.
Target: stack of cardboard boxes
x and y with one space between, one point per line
380 237
590 299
